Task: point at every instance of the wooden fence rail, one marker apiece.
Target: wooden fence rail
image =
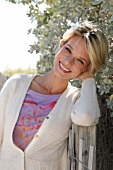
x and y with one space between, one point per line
83 140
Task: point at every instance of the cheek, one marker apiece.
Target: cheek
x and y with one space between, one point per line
78 68
56 58
85 67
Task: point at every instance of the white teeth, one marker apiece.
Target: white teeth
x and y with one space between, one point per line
65 69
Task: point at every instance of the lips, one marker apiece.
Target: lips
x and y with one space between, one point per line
64 68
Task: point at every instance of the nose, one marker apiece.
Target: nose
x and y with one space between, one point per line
69 60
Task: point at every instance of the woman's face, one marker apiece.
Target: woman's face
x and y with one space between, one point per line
72 59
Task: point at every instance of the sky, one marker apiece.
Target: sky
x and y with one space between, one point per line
14 40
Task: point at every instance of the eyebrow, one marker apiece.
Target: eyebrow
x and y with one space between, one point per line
80 57
70 46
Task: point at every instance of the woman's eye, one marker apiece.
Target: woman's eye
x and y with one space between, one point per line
80 61
68 50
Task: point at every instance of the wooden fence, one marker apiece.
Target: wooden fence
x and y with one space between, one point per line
3 79
85 147
83 139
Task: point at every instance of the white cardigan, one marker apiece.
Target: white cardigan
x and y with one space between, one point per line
48 149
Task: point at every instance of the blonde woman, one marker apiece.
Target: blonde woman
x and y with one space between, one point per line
36 111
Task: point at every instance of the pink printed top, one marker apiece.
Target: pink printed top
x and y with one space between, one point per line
35 108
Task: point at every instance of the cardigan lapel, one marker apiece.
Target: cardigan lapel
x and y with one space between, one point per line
19 96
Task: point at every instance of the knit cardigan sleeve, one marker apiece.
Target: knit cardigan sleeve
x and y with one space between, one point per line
86 111
4 97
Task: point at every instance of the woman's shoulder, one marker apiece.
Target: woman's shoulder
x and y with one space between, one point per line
17 77
20 76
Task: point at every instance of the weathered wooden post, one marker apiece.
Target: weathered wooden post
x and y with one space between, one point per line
85 147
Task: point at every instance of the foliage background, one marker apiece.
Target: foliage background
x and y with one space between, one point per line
53 21
60 15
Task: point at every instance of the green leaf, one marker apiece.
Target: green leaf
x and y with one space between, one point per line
96 2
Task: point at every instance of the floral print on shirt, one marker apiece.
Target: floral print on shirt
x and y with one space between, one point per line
30 120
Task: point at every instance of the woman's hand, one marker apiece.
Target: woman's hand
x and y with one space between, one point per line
85 75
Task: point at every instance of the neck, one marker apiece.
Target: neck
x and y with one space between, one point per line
52 84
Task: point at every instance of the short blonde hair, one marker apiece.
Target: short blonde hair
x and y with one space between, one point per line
95 40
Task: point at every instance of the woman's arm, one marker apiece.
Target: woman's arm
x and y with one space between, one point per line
86 111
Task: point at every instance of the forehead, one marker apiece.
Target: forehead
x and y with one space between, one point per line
78 46
76 40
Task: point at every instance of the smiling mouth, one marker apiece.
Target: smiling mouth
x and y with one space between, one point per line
64 68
